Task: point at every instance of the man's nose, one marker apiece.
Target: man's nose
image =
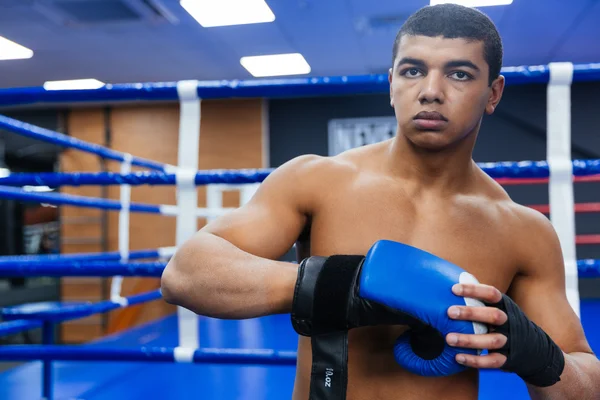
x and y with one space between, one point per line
432 90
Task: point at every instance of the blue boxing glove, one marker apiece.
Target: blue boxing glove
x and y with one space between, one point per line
394 284
419 284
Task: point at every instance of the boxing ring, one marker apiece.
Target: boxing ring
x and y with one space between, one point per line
184 356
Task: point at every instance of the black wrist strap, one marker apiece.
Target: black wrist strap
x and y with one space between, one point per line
329 374
322 309
322 294
529 351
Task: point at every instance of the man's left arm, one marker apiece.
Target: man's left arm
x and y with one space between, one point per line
534 330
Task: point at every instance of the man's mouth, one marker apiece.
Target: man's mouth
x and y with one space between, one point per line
430 121
431 115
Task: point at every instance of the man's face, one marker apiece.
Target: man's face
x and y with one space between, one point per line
439 89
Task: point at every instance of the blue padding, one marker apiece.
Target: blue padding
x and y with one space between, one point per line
133 381
69 199
60 258
61 311
11 327
269 88
57 138
82 268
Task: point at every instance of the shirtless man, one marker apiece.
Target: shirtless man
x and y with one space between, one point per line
421 188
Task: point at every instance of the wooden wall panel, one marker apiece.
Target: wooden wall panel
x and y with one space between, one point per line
148 131
231 137
82 223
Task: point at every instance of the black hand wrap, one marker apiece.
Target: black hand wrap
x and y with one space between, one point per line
326 306
529 351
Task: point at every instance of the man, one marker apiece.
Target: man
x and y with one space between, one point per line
421 189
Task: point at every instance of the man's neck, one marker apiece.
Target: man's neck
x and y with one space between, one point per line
447 170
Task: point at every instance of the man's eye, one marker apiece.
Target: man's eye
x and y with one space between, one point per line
461 76
411 72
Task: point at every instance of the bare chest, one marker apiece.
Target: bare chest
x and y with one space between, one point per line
463 232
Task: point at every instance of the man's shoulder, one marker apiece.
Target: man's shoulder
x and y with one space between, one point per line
518 218
529 230
344 164
493 194
528 217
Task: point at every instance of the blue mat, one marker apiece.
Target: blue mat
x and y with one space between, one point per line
137 381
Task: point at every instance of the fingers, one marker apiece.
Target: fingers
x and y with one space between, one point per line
486 315
492 360
490 341
485 293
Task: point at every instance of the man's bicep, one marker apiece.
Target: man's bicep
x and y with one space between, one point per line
270 223
540 288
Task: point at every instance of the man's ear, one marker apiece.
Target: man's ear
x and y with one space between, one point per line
391 92
495 94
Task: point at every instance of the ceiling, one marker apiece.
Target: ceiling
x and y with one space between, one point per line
159 41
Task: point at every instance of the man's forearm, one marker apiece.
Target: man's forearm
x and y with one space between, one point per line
580 380
212 277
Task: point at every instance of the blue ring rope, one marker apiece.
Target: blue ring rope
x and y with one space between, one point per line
262 88
12 327
61 258
587 268
507 169
82 269
57 138
145 354
72 200
58 312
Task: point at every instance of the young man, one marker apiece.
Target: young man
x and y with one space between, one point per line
422 189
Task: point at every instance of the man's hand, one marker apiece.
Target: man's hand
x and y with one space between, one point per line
515 343
488 315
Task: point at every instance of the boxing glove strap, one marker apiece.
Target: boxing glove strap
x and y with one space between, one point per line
329 373
321 309
323 293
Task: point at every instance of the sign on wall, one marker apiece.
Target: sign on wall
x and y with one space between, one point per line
346 134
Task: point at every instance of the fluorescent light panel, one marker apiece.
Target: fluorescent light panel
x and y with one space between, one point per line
473 3
210 13
73 84
10 50
276 65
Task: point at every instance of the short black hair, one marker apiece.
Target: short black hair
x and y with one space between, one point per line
453 21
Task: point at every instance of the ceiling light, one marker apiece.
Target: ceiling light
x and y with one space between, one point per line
473 3
210 13
74 84
10 50
276 65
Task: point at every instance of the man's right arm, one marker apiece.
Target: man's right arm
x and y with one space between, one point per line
228 268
